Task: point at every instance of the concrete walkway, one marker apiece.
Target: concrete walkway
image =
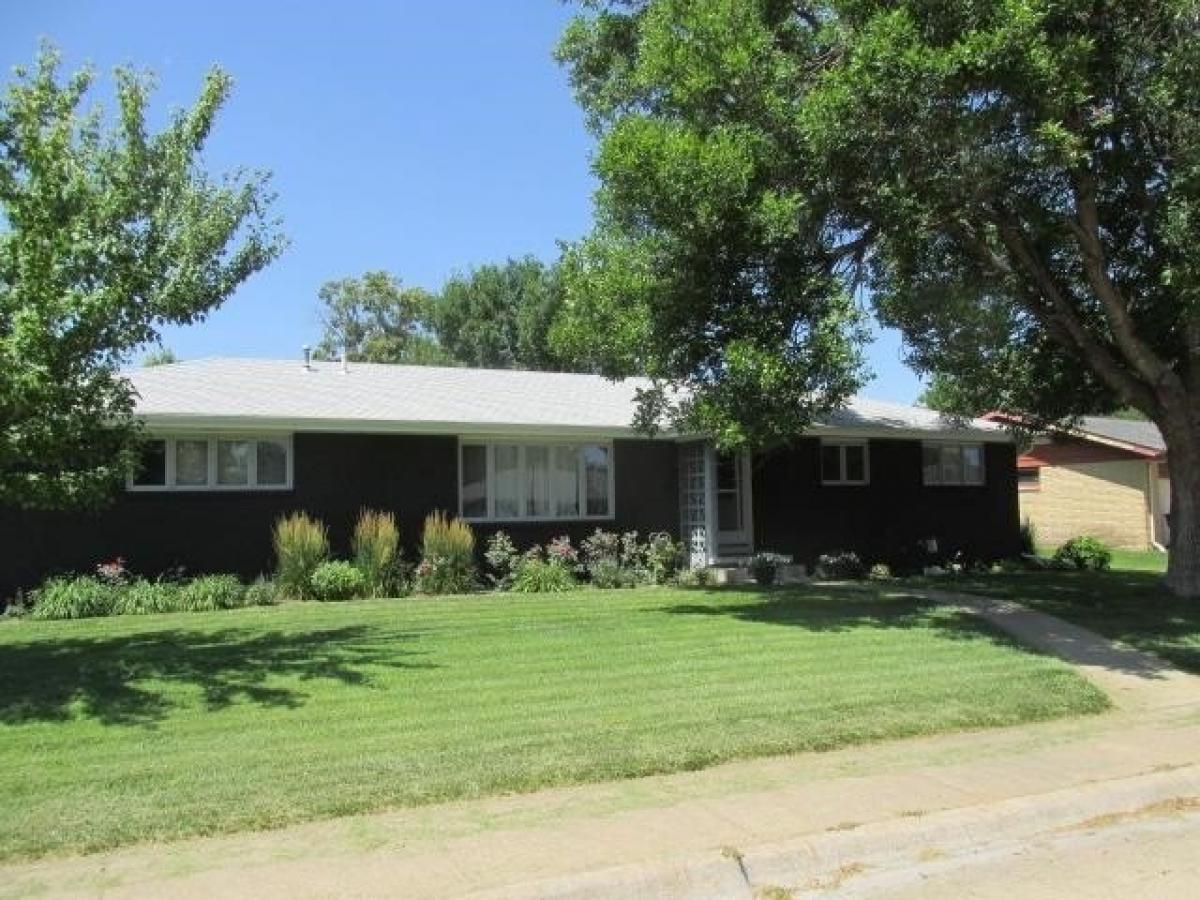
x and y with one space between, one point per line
1132 679
832 822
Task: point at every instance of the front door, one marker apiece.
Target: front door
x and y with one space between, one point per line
734 537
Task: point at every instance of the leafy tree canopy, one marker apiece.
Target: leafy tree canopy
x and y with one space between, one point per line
107 233
163 356
495 316
499 316
376 318
1016 183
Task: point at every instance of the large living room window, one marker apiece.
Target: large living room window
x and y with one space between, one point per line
227 462
507 481
952 464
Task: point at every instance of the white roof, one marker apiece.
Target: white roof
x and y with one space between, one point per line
284 394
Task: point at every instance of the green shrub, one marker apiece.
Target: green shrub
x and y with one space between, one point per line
1084 552
301 544
609 573
447 556
142 597
77 597
764 567
664 556
541 576
376 548
844 564
502 558
336 580
212 592
880 572
695 576
262 592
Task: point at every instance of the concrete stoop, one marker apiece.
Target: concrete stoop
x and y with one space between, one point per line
874 859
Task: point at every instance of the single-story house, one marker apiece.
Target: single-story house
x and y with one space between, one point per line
1101 476
235 443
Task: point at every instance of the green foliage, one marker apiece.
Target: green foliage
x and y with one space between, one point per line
163 356
535 575
880 572
1084 553
1015 185
261 592
499 316
376 319
844 564
301 544
447 556
764 567
141 597
77 597
108 232
376 548
211 592
336 580
695 576
664 557
502 558
609 573
88 596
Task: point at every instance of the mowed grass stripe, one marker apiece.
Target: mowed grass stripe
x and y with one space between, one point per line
159 727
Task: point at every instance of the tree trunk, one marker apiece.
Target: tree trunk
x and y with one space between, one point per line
1183 457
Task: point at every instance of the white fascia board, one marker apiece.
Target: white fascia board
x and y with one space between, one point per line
964 435
160 422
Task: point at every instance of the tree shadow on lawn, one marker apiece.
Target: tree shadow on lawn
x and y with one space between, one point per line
853 609
120 680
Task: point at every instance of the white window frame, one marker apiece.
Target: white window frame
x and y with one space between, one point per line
963 482
842 444
490 479
211 483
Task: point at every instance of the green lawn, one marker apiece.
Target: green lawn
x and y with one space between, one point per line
1128 603
127 729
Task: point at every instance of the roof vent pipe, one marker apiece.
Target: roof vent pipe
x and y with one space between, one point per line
307 356
345 365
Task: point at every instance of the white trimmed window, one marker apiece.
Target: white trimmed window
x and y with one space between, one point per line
214 463
845 462
508 481
952 464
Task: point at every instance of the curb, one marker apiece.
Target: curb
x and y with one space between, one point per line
889 850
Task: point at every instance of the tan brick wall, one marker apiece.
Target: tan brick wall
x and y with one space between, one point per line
1105 499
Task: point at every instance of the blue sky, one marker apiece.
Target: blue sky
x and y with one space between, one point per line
418 137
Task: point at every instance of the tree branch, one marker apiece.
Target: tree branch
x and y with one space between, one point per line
1085 228
1040 295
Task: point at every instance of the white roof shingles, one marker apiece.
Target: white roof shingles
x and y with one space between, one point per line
284 393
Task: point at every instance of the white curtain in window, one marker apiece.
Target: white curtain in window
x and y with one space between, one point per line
566 481
508 481
537 481
233 462
191 462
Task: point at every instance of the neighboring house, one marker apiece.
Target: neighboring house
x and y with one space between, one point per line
234 444
1101 476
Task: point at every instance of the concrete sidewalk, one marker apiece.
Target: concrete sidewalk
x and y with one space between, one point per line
818 821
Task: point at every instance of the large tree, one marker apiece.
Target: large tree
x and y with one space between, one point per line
494 316
375 318
107 233
1015 182
499 315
